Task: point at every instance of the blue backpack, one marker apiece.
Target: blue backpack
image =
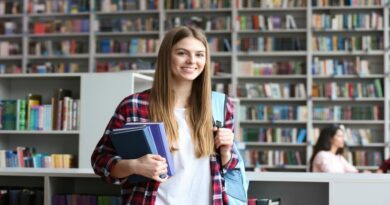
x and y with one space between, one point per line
236 184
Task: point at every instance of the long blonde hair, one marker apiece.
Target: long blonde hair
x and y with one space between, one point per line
162 97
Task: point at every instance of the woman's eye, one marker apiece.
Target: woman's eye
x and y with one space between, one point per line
200 55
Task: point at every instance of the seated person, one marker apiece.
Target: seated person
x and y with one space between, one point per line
327 154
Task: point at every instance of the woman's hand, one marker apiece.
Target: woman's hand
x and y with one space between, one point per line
151 166
224 141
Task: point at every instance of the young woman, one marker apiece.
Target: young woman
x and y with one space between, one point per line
181 98
327 154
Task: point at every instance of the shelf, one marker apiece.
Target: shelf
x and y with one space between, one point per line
303 167
288 31
271 53
38 132
59 15
13 36
353 31
370 76
348 53
41 75
267 77
317 99
59 35
11 16
347 8
351 122
279 122
260 9
371 168
55 172
367 145
52 57
221 77
198 11
217 32
274 144
272 100
13 57
126 55
125 13
125 33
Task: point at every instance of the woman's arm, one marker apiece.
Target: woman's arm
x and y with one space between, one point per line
229 156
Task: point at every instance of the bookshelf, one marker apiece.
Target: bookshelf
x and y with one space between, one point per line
253 49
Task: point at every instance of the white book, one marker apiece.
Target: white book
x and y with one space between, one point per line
2 7
3 159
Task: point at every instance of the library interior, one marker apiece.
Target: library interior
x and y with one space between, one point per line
309 81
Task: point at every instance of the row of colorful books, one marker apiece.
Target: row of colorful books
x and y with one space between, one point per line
10 7
28 157
206 23
274 135
55 47
335 90
126 5
9 28
265 22
366 158
252 68
126 24
10 68
133 46
270 3
60 26
197 4
30 114
273 112
8 48
21 196
347 43
338 112
272 90
337 67
58 6
319 3
56 67
264 157
373 20
267 43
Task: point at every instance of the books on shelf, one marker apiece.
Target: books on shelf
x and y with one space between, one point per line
31 114
28 157
135 140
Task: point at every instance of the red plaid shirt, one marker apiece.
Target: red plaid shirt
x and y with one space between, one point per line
134 108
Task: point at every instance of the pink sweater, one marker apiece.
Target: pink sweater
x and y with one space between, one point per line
326 161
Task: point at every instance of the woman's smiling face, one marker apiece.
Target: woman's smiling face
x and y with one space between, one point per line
188 59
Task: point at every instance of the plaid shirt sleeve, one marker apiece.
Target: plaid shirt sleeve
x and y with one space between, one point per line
104 157
219 195
229 123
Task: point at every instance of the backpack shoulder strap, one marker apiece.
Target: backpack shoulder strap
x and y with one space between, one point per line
218 103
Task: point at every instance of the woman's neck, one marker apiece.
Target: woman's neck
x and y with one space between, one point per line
182 93
334 149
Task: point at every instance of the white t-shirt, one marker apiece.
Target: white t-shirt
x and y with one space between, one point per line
326 161
191 184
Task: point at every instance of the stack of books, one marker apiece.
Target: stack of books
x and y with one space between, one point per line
135 140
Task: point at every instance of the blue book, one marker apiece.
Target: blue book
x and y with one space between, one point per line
133 143
301 135
160 140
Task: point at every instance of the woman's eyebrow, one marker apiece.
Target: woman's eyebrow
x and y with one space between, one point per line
199 51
